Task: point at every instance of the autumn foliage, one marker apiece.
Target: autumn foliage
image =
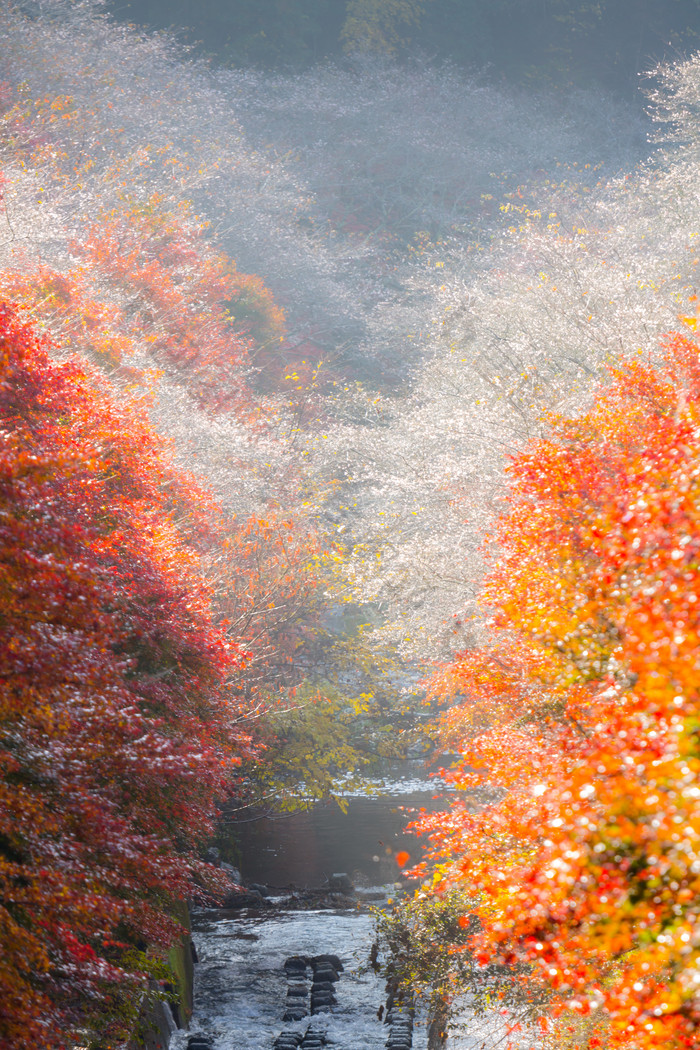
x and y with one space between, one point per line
145 628
582 715
147 288
118 730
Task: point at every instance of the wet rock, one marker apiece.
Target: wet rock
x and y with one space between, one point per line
296 964
233 873
340 882
325 976
322 986
332 960
259 888
199 1042
295 1013
321 968
318 900
244 899
314 1032
287 1041
297 991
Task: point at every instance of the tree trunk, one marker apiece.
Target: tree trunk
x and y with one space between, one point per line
437 1031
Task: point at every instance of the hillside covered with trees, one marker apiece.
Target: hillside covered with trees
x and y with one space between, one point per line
348 397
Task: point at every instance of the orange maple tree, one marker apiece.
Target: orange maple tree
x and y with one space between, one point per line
118 727
582 716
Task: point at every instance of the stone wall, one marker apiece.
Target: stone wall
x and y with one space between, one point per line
159 1019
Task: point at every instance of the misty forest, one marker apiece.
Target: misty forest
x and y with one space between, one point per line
349 524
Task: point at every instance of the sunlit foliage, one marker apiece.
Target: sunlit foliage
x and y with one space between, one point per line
118 728
582 711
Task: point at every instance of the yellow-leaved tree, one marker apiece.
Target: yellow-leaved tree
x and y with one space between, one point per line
377 26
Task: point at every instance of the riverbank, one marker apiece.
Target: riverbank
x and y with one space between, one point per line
160 1018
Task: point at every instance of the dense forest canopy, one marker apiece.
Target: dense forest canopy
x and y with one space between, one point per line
566 41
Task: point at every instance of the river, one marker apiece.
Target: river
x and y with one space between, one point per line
240 982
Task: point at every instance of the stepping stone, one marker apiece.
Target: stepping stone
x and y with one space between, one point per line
325 973
295 1013
333 960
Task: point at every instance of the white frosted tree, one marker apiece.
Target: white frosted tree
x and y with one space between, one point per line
431 236
522 330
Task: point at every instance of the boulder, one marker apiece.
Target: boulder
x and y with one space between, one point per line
244 899
340 882
262 890
233 873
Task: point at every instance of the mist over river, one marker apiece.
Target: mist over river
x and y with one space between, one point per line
301 849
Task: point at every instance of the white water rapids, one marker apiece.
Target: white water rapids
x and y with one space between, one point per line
240 984
240 981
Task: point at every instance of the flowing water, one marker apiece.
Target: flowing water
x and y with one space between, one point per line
240 981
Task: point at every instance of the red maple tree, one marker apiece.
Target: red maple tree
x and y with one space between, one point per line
118 729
